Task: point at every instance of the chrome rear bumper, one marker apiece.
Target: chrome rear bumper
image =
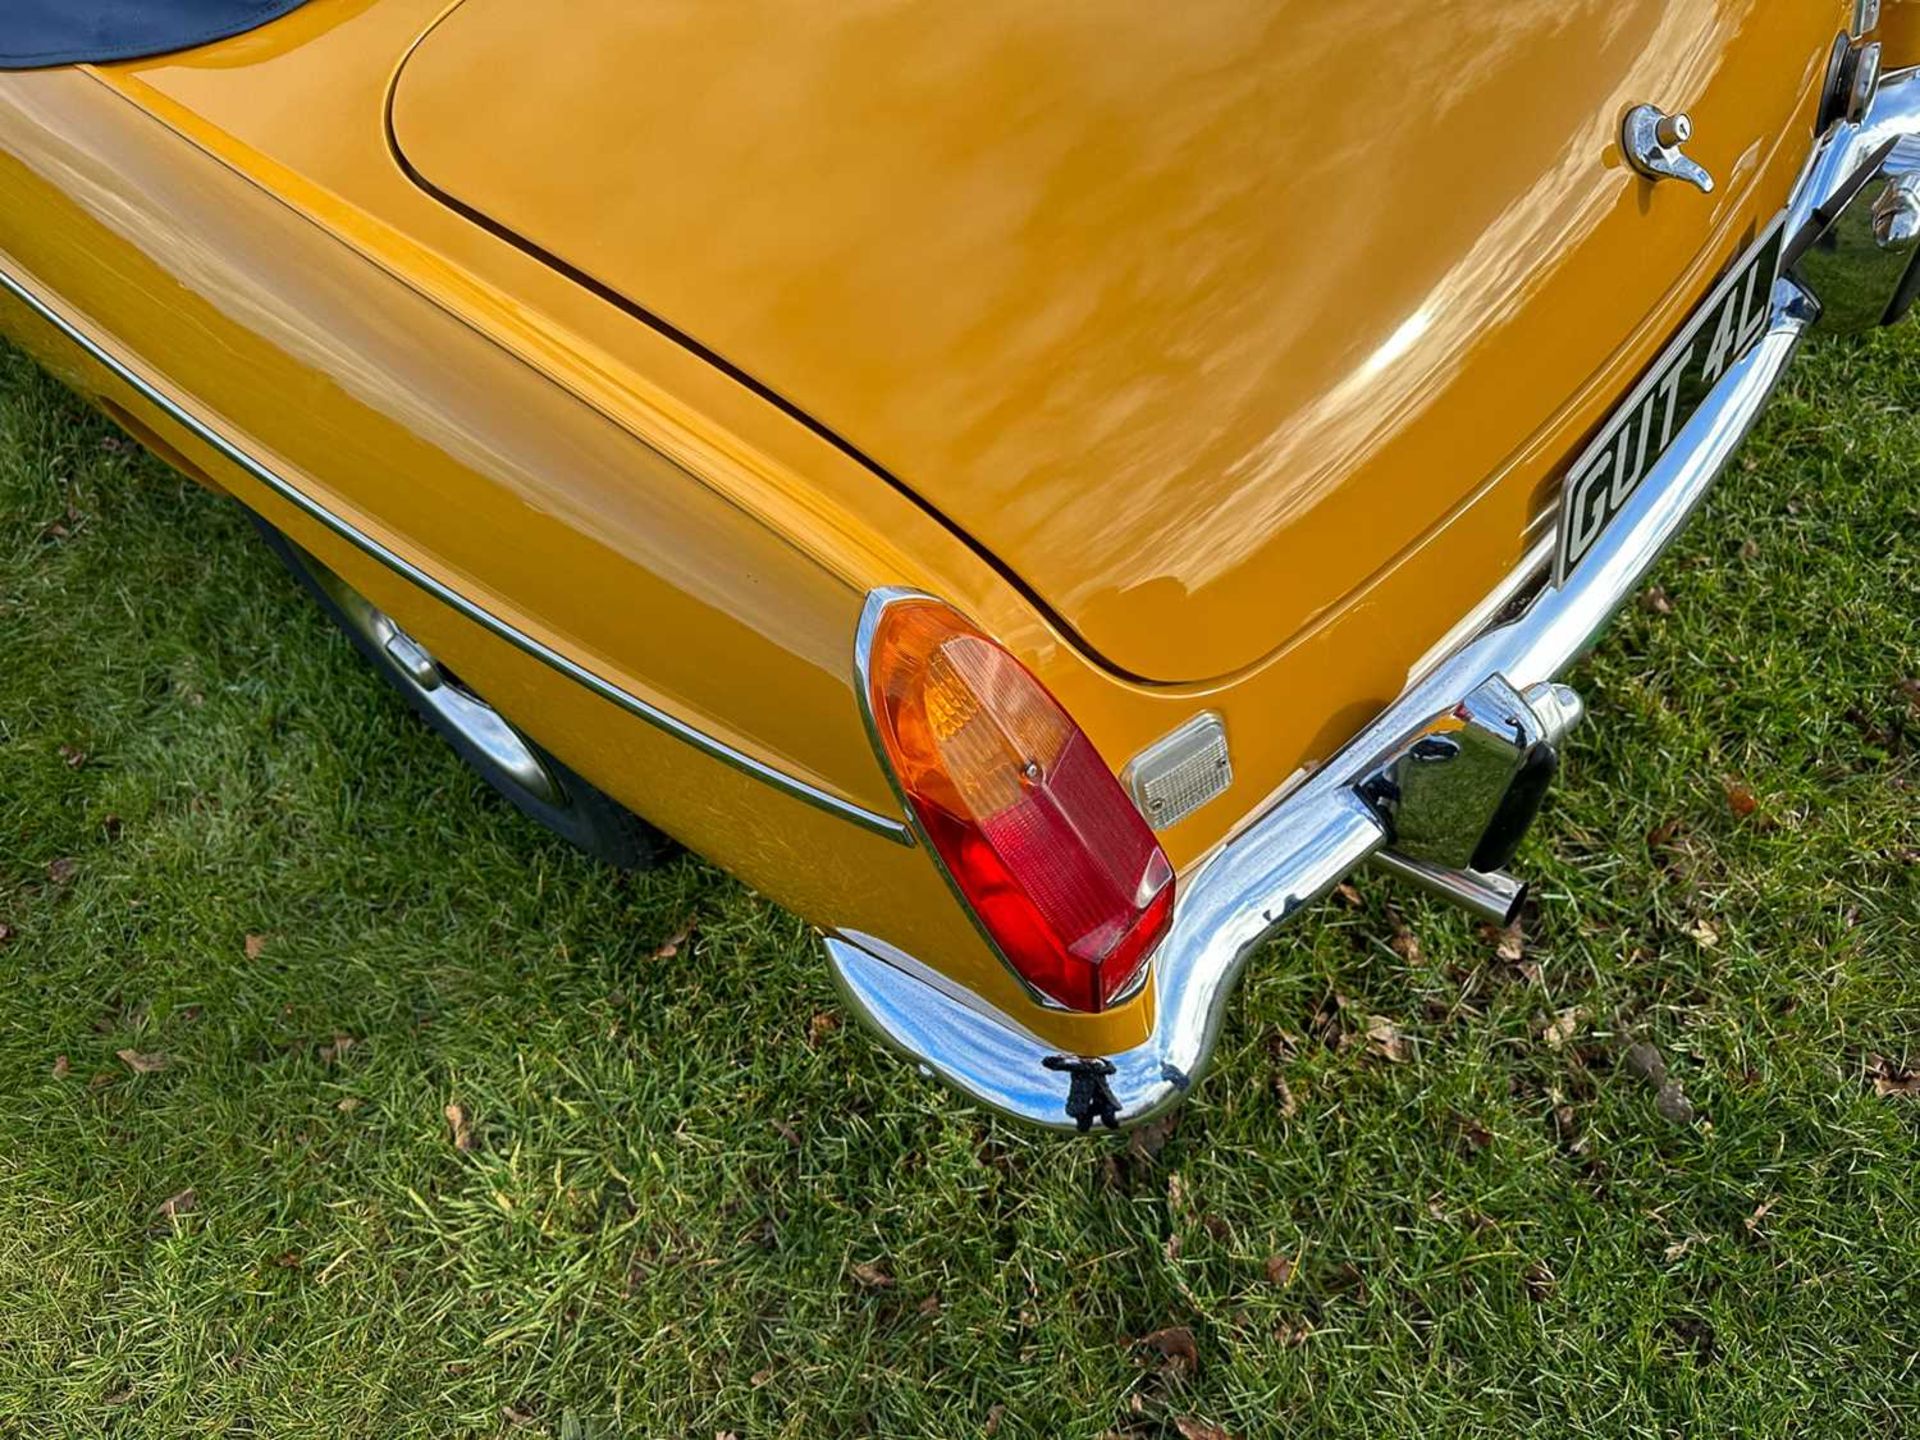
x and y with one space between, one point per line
1323 829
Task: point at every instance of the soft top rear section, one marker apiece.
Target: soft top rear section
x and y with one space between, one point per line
67 32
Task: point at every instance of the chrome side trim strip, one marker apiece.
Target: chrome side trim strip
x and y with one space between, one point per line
883 825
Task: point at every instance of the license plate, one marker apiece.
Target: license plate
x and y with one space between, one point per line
1605 474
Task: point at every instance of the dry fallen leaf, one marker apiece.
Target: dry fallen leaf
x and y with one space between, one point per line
1325 1022
74 756
330 1053
761 1377
1175 1345
1662 836
1386 1040
1510 943
1654 601
670 947
1347 895
822 1025
1539 1280
348 1104
1566 1125
1283 1092
995 1414
1192 1429
61 870
1881 737
1891 1079
1703 934
1471 1130
1405 943
1150 1139
461 1122
1279 1269
256 946
872 1274
61 1066
1563 1026
1740 799
143 1063
174 1206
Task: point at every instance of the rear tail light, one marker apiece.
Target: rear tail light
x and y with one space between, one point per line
1038 836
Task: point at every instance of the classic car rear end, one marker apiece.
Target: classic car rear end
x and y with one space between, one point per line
1042 493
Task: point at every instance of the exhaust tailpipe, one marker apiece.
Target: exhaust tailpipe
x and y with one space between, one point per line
1496 897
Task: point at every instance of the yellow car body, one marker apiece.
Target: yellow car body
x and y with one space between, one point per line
1222 357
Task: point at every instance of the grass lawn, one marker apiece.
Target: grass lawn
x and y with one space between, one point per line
697 1203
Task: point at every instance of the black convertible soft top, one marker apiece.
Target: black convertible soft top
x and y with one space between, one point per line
64 32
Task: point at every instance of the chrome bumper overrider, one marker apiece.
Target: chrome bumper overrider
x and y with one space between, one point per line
1323 829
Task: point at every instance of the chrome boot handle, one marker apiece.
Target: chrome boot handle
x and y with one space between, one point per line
1651 141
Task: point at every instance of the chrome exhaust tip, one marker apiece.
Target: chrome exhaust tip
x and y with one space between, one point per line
1496 897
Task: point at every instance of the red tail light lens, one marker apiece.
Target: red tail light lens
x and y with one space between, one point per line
1036 832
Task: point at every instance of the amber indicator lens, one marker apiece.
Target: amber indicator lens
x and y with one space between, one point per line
1038 835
